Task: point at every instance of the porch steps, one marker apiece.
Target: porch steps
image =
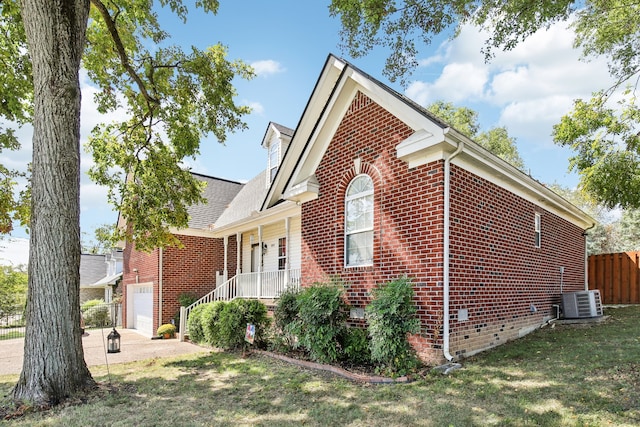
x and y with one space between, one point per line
262 286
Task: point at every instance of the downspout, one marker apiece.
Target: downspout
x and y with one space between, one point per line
586 257
447 215
160 288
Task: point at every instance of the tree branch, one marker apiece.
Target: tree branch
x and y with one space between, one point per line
110 23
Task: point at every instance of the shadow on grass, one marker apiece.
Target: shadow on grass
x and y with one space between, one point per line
560 376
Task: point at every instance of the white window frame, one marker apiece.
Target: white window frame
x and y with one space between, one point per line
274 159
282 258
538 230
367 229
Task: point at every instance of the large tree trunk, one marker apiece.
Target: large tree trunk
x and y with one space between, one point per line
54 366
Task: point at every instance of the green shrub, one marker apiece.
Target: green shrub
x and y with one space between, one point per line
194 323
285 318
356 346
185 299
96 314
391 316
209 320
90 304
322 313
233 321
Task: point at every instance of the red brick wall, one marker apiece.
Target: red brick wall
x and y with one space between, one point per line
148 267
496 273
191 269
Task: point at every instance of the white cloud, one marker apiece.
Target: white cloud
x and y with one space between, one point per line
458 82
531 86
256 107
267 67
14 251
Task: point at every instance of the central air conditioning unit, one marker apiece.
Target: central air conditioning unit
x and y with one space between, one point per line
583 304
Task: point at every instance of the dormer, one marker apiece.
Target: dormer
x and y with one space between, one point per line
275 141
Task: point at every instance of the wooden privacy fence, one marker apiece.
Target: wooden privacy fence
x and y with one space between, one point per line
616 276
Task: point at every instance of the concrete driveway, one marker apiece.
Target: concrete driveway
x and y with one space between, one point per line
133 346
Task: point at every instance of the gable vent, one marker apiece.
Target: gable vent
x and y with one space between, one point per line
583 304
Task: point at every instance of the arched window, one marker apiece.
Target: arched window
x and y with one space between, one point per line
359 222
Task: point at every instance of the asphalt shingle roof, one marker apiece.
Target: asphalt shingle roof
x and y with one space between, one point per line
248 200
92 268
219 194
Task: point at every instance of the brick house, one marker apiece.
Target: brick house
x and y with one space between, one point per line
370 187
163 274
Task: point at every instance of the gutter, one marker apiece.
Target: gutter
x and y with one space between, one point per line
447 215
160 254
586 257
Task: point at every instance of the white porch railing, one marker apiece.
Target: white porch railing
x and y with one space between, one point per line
267 285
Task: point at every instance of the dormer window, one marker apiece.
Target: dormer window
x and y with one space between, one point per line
274 159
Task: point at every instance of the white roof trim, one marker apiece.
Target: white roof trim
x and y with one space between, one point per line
108 280
303 191
421 148
279 212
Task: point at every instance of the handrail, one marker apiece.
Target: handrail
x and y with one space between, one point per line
268 284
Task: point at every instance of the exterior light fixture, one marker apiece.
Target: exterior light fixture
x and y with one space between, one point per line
113 342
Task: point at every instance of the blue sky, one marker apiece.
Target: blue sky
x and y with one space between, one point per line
287 41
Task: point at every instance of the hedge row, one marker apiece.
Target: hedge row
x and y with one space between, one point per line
314 320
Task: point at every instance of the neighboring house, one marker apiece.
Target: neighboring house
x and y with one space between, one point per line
371 187
99 275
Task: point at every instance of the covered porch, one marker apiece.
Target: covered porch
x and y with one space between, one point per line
268 260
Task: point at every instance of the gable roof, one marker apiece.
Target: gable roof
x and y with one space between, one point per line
219 193
92 268
279 130
246 202
432 140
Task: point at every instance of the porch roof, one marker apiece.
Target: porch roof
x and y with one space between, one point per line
219 193
247 201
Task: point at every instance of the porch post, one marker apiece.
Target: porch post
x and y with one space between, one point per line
225 271
287 264
238 252
260 261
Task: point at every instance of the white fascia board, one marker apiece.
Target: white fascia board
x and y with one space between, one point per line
303 191
481 162
523 186
423 147
277 213
350 84
194 232
328 78
327 125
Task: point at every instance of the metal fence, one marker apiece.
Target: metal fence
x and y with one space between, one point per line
12 325
99 316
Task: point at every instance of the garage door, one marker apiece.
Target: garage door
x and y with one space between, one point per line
143 309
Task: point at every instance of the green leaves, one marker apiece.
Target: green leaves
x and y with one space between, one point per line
172 100
320 325
391 316
465 120
13 290
606 143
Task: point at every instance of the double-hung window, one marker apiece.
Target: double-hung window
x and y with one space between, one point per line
274 160
359 222
538 232
282 253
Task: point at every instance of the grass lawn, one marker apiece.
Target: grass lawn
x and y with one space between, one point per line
563 376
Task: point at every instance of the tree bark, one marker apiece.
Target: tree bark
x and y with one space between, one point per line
54 367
